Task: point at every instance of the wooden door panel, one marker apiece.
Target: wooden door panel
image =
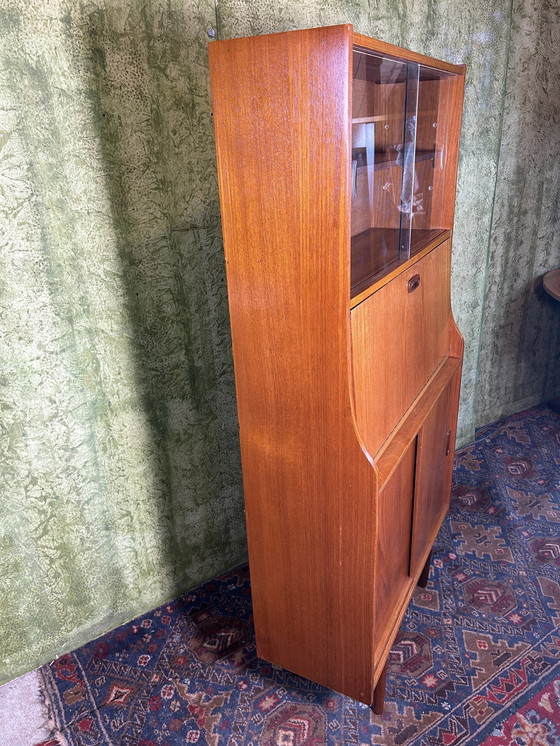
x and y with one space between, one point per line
393 545
399 337
433 474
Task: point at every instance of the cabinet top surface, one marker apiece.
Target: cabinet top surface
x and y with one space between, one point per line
392 50
360 40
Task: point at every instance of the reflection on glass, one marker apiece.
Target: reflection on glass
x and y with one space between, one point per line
363 161
398 142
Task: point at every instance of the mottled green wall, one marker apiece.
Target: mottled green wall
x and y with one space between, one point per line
121 476
120 457
520 335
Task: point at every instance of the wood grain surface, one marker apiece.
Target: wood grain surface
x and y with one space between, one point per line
433 475
308 485
399 338
323 387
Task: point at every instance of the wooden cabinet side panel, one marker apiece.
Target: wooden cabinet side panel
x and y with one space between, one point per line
398 340
281 110
451 106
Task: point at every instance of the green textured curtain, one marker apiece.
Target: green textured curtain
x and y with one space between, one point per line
519 361
120 464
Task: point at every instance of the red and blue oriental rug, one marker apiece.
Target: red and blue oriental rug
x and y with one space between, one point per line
477 660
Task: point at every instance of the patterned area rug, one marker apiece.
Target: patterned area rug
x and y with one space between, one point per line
477 660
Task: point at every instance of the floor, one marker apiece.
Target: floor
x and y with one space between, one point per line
494 587
23 720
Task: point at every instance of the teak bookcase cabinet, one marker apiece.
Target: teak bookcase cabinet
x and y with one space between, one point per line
337 162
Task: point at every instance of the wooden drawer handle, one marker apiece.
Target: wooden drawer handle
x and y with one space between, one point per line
413 283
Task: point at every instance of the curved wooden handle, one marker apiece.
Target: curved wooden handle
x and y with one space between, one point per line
413 283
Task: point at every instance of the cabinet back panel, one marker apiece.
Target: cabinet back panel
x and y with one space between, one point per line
398 340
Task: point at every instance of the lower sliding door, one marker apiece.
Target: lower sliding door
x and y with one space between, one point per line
434 465
394 521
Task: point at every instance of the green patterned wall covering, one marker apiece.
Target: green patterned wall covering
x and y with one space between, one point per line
120 458
122 481
520 333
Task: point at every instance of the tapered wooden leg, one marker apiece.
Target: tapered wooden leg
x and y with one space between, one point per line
424 575
379 692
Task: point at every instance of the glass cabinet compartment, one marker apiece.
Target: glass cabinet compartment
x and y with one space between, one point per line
399 135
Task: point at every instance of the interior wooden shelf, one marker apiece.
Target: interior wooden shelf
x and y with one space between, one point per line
376 118
387 159
387 117
376 253
425 155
